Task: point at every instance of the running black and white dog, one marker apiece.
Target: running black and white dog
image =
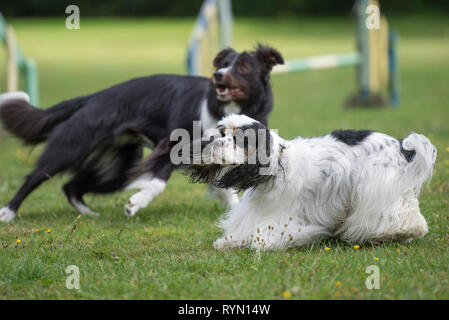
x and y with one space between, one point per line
99 138
355 185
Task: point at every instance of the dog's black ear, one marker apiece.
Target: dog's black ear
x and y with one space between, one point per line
195 166
221 55
269 57
201 173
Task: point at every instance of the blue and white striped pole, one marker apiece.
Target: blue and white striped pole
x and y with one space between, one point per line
202 22
207 12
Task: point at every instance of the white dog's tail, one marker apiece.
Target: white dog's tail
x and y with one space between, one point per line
420 168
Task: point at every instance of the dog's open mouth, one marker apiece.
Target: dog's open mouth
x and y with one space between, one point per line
227 93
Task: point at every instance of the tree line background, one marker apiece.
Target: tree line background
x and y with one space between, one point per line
191 7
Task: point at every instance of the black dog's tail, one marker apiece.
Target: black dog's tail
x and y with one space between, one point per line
31 124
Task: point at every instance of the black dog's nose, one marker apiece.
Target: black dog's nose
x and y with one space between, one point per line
218 76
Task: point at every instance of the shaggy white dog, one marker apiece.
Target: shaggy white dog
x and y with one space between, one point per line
354 185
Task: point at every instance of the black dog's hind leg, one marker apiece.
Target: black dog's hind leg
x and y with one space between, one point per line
76 188
32 181
47 166
108 172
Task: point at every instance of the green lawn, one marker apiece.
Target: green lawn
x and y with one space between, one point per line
166 252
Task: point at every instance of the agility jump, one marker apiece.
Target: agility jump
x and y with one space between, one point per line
375 57
17 64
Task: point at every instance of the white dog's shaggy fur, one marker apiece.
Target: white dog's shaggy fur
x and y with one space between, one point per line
354 185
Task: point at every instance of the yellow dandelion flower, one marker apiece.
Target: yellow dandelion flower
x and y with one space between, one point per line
18 241
48 230
398 250
338 284
327 248
286 294
376 258
356 247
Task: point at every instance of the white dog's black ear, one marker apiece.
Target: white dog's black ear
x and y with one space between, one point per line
258 143
242 177
196 167
269 57
203 173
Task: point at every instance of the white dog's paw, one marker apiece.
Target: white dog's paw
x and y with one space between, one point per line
6 214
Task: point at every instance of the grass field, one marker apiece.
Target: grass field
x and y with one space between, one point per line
166 252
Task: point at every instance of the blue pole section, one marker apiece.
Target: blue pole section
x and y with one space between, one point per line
393 69
363 44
